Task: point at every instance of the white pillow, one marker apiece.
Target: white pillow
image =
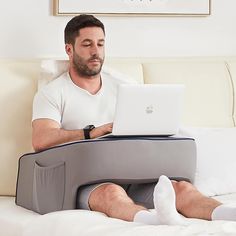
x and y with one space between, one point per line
51 69
216 159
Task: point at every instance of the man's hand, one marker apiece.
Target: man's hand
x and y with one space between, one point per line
101 130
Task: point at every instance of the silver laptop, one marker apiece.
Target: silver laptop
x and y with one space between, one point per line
149 109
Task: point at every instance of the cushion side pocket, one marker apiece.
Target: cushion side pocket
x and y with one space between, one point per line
48 187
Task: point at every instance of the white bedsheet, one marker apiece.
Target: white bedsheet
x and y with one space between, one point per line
17 221
13 219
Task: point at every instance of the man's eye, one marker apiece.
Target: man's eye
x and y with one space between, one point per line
100 44
86 45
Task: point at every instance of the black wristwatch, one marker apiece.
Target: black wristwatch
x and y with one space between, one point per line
87 129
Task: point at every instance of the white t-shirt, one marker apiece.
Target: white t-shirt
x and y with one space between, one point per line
73 107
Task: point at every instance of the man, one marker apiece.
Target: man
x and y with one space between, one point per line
64 110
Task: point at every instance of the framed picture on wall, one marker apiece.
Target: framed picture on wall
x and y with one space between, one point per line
133 7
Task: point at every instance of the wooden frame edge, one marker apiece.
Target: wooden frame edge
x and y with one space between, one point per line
57 13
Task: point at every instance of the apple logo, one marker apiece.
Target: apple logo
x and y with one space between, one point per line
149 109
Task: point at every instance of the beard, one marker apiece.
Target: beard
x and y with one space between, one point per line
80 65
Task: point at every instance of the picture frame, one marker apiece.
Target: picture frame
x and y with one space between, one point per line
132 7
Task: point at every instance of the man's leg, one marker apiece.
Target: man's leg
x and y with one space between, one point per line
112 200
191 203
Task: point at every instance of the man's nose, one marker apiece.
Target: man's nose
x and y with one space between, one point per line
94 50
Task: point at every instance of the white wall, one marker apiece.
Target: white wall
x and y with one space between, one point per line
28 29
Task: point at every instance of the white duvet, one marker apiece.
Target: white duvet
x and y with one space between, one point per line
17 221
76 223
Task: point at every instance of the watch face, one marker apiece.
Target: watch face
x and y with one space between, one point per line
89 127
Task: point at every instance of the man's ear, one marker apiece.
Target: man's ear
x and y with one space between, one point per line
69 49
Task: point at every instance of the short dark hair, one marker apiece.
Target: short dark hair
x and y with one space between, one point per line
79 22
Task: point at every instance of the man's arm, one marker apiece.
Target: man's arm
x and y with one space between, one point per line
47 133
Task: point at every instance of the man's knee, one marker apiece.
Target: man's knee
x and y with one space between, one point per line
101 197
112 191
182 187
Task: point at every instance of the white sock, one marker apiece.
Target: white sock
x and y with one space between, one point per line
224 212
164 202
165 210
147 217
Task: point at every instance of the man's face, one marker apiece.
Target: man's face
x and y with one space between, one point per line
88 52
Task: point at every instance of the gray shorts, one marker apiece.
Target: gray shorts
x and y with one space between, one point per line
141 194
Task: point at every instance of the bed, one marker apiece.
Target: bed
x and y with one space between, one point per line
208 117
